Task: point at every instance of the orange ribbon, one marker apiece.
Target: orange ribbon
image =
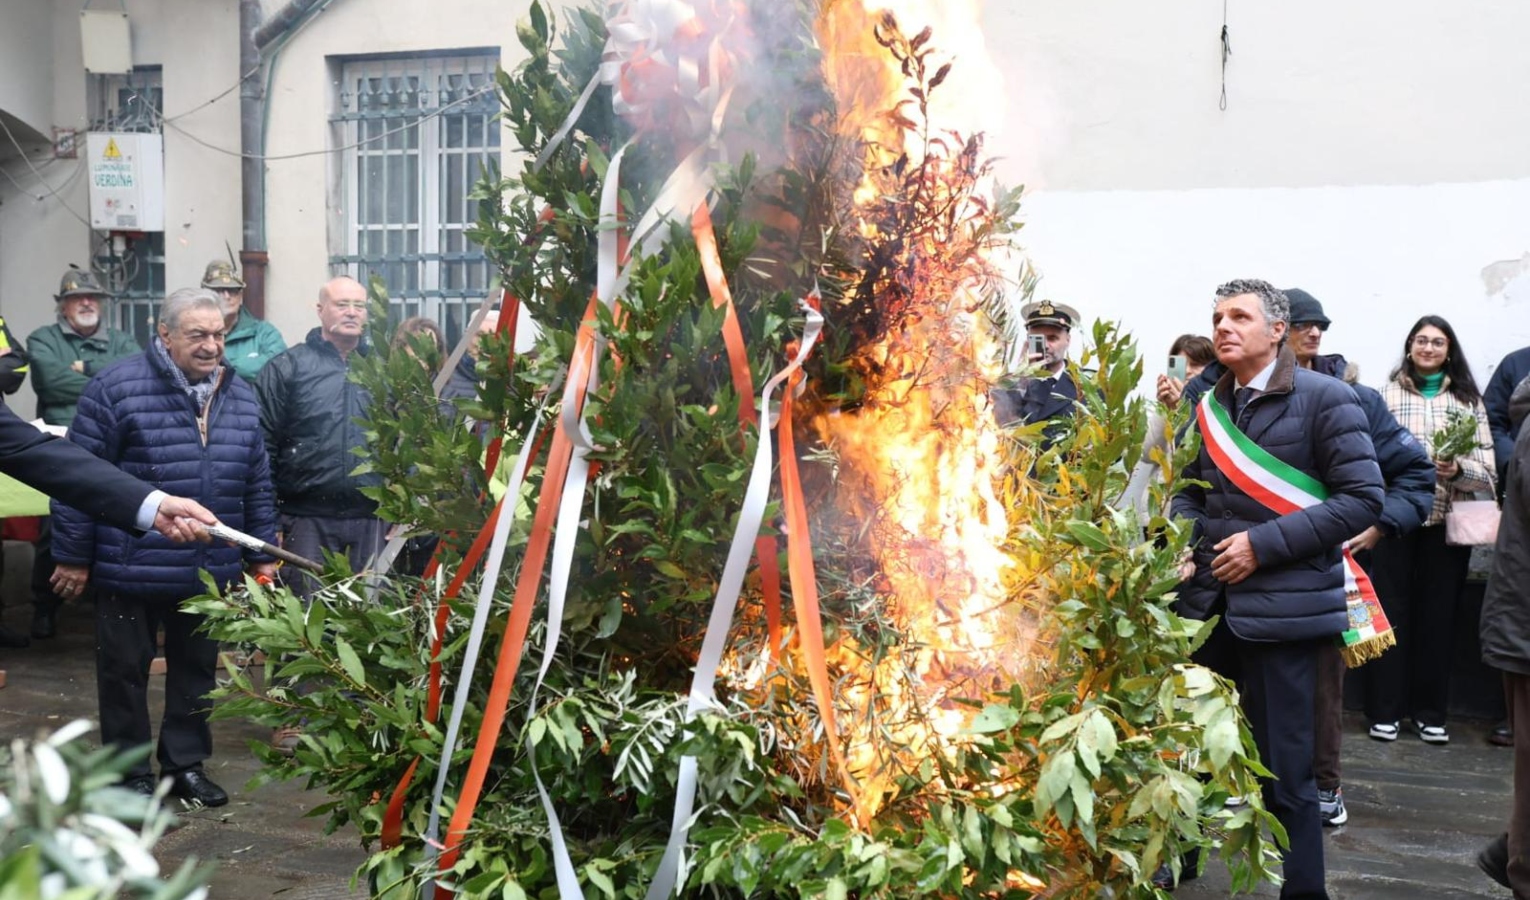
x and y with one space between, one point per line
513 642
799 557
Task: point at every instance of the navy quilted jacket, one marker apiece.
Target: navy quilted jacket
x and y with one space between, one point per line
132 414
1313 423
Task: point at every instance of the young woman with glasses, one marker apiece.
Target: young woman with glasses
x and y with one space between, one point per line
1418 576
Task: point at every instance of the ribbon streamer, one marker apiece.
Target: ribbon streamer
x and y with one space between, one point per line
720 623
503 520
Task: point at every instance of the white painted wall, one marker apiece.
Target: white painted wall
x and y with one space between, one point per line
1376 154
26 34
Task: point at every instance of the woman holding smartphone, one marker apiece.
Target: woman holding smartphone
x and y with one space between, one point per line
1188 355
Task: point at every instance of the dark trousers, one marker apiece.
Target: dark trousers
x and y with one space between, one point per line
309 536
126 628
1277 682
1328 728
1418 578
42 567
1516 689
1328 716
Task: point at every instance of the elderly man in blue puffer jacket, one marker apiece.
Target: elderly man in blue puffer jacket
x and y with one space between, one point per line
178 417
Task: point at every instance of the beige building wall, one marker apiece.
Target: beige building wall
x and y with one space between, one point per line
302 216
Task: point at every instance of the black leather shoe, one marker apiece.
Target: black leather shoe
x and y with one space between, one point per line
1501 735
44 622
13 640
194 785
1189 870
140 784
1493 860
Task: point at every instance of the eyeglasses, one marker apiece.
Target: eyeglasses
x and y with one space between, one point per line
1306 326
1438 343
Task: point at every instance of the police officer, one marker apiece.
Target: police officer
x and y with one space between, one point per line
1049 396
251 342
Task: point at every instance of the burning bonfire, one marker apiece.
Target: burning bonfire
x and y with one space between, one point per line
802 622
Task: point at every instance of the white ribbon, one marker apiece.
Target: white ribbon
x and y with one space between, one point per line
567 527
720 623
651 26
557 593
496 559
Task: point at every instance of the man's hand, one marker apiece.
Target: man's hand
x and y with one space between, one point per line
264 572
1446 469
1235 560
69 581
181 520
1365 540
78 366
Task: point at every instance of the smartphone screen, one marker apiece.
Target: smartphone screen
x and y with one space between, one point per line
1036 345
1177 367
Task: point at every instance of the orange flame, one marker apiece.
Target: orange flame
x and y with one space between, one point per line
922 453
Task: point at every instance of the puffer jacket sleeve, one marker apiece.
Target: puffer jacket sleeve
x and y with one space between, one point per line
1344 460
260 502
95 429
1190 502
1405 467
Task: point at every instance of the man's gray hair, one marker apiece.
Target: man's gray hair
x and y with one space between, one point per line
1276 305
183 301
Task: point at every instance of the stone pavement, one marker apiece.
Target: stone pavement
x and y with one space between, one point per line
1418 813
261 842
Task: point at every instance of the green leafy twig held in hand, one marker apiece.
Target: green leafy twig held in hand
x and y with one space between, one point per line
1457 438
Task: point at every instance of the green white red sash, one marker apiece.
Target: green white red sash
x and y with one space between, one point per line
1284 489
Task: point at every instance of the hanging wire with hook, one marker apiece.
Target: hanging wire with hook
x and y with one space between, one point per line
1226 52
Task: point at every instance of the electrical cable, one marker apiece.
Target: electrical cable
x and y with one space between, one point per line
214 99
392 131
38 175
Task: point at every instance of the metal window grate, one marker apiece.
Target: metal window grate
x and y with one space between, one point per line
405 191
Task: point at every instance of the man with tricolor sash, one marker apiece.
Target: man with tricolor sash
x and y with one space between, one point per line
1290 474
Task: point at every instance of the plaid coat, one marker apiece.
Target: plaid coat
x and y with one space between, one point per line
1425 417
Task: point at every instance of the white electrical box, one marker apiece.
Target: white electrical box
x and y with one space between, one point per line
106 41
127 181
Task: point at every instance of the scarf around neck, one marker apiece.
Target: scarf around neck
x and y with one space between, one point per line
202 391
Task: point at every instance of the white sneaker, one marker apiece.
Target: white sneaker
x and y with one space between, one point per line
1432 734
1331 807
1384 731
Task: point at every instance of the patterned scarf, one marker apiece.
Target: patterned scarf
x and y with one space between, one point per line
202 391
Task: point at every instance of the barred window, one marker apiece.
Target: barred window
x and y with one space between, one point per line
421 132
134 270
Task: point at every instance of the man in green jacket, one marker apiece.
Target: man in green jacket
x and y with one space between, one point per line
77 346
251 342
64 357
